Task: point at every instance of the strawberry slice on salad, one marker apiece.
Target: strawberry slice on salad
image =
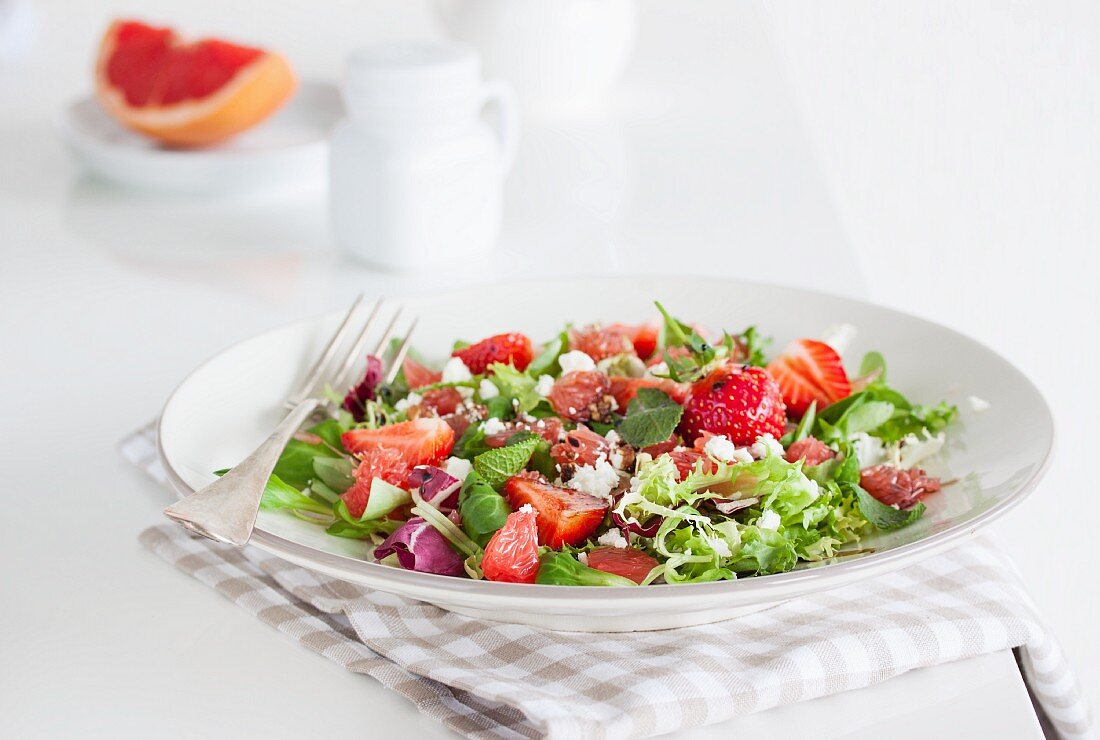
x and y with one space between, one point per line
739 401
808 371
423 441
644 337
514 348
565 516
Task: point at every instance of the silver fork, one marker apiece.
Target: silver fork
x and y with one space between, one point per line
226 510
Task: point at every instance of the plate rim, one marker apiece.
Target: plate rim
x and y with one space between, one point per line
768 587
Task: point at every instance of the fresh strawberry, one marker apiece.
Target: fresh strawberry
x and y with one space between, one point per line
740 402
386 463
423 441
512 554
624 389
897 487
417 375
514 348
810 449
565 516
582 446
807 371
600 343
582 395
627 562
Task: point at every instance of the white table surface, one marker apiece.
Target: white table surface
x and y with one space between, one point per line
108 297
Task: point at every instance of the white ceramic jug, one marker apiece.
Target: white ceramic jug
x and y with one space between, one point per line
558 54
416 175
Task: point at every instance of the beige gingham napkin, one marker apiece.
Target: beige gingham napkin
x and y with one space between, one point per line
492 680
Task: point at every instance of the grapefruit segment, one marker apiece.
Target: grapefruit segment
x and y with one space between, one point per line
187 93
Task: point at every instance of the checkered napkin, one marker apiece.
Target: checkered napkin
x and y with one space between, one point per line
492 680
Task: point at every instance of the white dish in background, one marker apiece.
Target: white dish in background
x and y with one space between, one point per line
288 149
231 402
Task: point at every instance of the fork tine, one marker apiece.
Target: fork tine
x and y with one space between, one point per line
403 350
344 375
303 390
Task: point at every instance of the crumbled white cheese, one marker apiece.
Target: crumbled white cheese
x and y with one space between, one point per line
612 538
978 405
660 369
768 520
869 450
766 445
615 456
612 436
574 361
493 425
412 399
583 558
595 480
839 337
487 389
914 449
544 384
456 467
455 371
528 509
720 448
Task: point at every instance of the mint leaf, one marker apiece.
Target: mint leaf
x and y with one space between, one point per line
883 516
651 417
497 466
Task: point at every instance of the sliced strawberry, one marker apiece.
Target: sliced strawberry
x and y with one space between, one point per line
565 516
514 348
582 395
582 446
624 389
417 375
807 371
740 402
512 554
386 463
423 441
627 562
600 343
810 449
896 487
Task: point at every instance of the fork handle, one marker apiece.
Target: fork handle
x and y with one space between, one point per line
226 509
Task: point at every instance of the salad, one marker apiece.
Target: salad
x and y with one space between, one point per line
616 455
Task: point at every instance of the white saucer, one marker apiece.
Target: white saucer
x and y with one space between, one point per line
291 148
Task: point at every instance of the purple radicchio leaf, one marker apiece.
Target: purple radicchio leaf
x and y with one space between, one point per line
648 530
356 399
420 547
437 487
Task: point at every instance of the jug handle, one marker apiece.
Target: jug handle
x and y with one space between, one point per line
500 96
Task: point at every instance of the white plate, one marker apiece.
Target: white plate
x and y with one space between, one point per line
290 148
230 403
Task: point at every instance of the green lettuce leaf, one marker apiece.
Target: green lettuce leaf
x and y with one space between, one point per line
546 363
562 569
882 516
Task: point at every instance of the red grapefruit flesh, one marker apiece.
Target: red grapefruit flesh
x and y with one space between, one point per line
187 93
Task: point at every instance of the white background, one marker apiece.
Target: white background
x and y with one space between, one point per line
941 158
